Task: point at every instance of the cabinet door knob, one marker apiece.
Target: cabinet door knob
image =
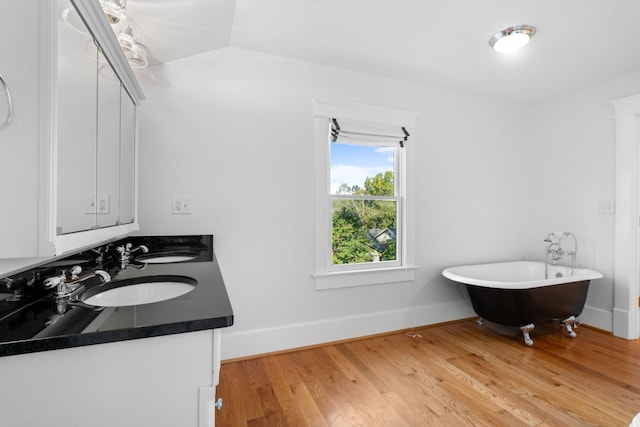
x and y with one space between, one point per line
218 404
7 121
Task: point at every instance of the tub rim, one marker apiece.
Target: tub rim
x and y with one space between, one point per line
456 274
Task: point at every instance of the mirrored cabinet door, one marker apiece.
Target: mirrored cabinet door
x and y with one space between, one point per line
77 68
108 149
127 158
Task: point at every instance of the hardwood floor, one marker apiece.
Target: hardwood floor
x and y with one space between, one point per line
447 375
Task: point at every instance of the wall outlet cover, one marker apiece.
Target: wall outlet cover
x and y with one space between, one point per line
606 208
181 205
102 205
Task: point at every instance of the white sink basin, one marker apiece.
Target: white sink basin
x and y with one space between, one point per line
164 258
141 290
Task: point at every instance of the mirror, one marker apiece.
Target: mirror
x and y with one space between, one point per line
95 137
76 128
108 150
127 157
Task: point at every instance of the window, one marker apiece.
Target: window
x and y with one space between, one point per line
365 203
364 212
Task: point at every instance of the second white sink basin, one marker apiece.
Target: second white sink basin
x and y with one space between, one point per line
165 257
141 290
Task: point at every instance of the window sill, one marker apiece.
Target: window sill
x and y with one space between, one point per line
347 279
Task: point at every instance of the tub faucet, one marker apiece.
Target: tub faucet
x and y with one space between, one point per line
555 251
554 248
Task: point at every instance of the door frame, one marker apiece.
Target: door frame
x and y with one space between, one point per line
626 317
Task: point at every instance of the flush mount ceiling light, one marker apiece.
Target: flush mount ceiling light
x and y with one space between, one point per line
512 38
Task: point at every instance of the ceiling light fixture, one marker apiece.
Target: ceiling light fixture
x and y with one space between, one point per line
512 38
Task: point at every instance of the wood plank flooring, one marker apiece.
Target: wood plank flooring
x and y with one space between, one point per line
448 375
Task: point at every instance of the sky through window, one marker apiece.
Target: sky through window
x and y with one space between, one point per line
352 164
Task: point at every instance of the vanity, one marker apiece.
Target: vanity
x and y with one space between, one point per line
154 360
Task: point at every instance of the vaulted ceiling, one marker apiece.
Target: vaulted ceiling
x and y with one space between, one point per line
440 43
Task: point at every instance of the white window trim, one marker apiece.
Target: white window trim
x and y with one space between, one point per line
325 278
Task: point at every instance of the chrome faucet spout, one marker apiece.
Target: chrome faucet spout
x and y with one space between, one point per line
126 250
104 277
68 283
142 248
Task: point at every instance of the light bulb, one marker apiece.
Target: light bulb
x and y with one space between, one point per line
512 38
511 42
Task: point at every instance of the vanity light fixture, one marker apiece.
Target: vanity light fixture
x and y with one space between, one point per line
128 39
126 32
114 10
512 38
122 26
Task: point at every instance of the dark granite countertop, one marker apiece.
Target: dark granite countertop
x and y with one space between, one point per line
33 318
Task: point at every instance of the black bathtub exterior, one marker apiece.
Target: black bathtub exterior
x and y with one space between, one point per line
520 307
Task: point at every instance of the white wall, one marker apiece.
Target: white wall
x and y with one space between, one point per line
233 129
573 153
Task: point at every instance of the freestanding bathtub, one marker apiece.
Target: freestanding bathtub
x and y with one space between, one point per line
517 294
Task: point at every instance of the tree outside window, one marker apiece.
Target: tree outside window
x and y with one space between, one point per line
364 204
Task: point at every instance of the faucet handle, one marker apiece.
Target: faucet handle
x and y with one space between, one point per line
52 282
74 272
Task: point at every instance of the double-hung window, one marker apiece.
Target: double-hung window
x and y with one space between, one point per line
364 212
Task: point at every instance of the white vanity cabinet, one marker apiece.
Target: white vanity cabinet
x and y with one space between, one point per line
69 154
160 381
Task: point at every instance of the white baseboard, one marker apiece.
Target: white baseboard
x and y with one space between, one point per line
597 317
266 340
621 323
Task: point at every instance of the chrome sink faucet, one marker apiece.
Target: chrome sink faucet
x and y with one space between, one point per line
126 250
68 282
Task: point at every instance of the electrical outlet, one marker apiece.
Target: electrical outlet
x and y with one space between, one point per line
181 205
103 204
606 208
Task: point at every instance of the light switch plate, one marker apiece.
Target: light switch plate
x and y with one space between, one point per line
90 205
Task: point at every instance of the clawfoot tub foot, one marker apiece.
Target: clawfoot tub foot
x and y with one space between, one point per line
569 323
479 321
525 333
